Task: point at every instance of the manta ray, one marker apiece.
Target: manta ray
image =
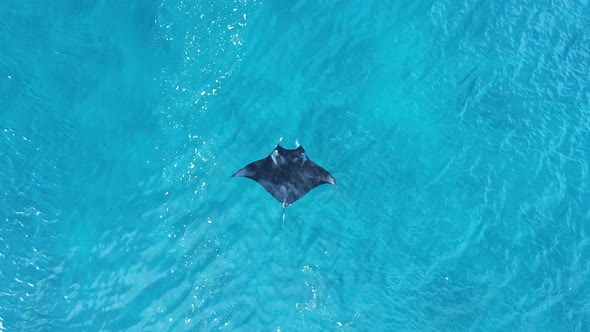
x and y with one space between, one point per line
287 174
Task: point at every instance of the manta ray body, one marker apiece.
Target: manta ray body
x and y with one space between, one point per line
287 174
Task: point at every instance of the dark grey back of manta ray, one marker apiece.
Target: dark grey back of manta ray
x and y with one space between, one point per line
287 174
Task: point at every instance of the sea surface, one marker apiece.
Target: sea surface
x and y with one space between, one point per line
458 133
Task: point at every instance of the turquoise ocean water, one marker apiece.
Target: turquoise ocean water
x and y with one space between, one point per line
458 132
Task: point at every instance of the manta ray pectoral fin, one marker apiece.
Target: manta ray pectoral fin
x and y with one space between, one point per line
242 172
329 179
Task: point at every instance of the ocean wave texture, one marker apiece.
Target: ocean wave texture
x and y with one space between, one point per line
458 133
